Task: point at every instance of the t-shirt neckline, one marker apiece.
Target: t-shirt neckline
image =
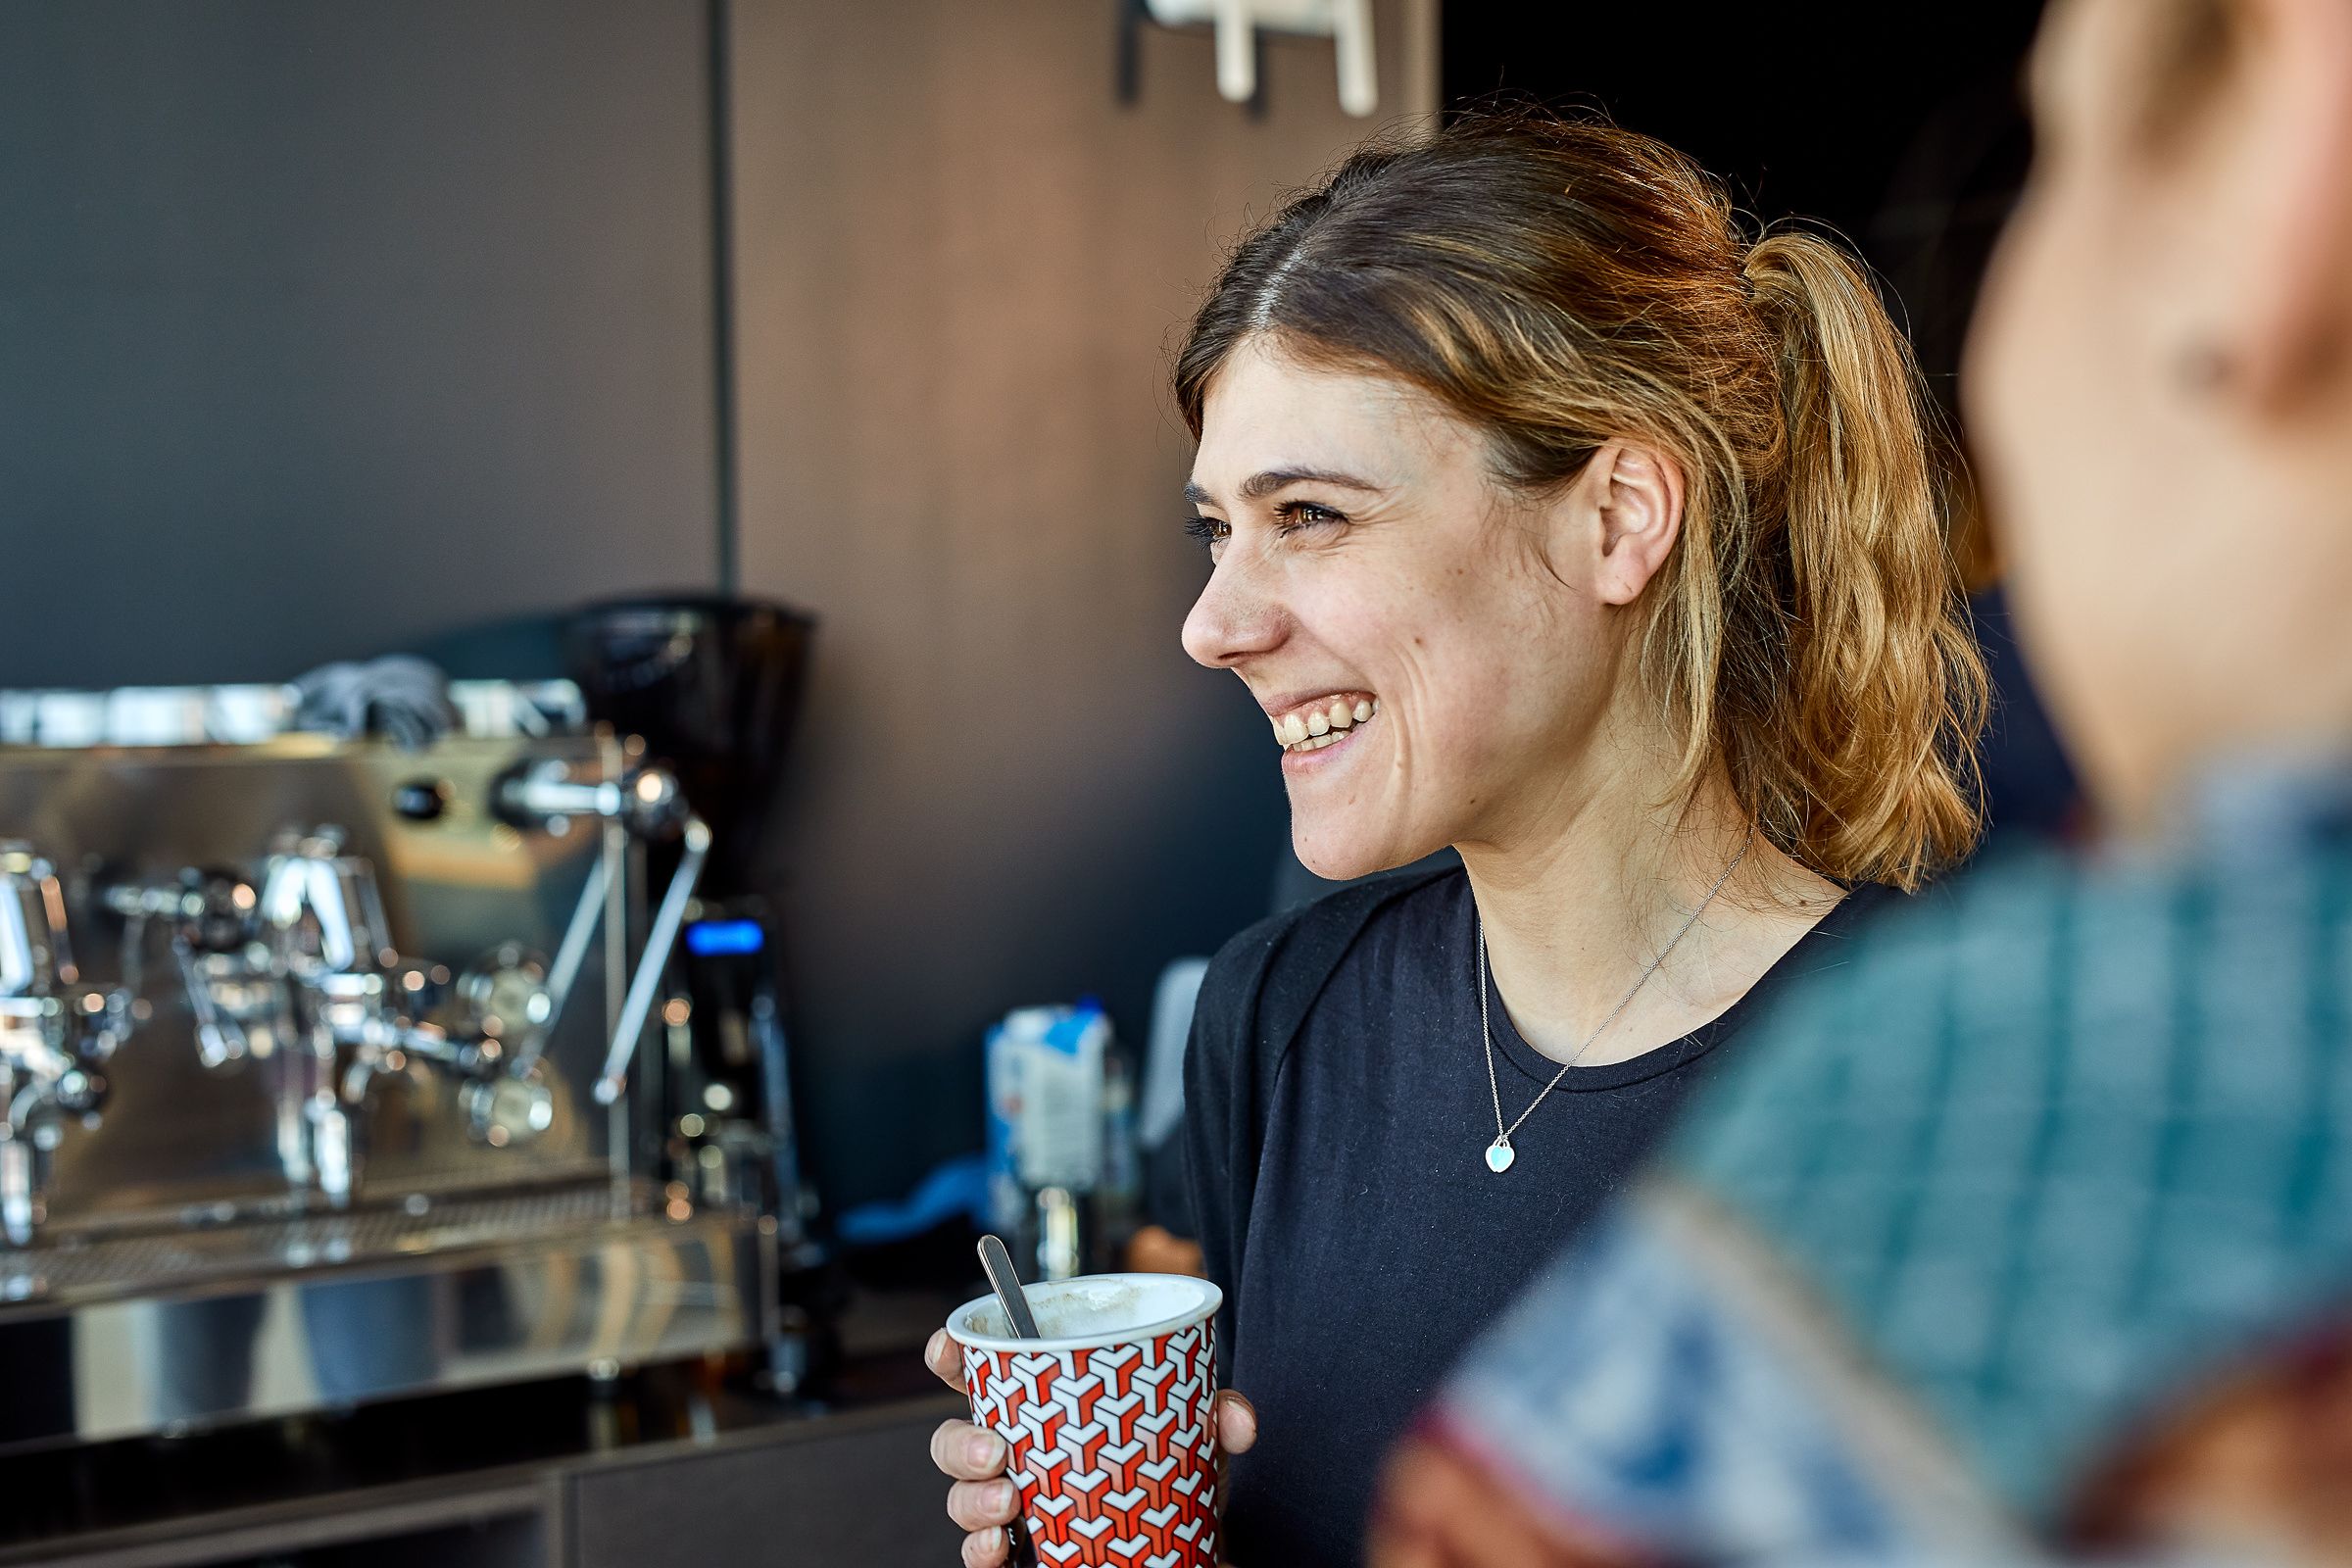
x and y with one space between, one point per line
1535 1069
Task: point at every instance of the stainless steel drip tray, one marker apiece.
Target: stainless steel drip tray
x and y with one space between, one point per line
117 1334
73 1270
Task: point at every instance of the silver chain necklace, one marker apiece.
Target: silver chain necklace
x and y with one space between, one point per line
1500 1153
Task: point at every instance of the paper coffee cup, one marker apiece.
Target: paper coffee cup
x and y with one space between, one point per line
1108 1416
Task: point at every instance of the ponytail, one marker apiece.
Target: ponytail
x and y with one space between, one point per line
1866 758
1562 284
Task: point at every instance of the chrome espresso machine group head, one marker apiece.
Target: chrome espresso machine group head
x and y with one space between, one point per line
292 969
55 1036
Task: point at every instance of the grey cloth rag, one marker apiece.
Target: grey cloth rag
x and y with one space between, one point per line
402 698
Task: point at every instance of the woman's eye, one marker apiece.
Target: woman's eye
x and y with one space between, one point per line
1289 518
1208 530
1304 514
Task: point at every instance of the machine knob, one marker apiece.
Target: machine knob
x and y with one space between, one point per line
507 993
505 1110
81 1090
421 800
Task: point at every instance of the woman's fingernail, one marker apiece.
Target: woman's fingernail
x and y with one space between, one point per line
1000 1496
981 1448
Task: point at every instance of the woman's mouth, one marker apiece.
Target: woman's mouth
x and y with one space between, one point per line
1323 722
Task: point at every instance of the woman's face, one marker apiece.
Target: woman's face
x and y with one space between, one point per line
1432 653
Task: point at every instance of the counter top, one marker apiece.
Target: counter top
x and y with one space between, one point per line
459 1454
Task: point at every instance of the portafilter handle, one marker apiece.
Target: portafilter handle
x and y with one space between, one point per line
212 917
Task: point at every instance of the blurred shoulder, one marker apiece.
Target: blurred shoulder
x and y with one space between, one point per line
1871 1011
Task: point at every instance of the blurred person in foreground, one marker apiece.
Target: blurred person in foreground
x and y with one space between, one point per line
2028 1229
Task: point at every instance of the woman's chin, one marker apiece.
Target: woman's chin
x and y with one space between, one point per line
1343 857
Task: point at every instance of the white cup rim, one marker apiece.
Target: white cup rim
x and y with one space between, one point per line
1210 1302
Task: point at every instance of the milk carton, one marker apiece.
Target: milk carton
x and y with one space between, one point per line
1045 1068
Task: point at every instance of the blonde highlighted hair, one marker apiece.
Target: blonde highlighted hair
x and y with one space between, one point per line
1563 284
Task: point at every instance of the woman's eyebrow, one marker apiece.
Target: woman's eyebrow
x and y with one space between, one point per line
1260 485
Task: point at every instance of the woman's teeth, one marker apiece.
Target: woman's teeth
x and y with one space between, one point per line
1321 722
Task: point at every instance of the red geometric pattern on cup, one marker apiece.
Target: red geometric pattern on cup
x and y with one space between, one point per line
1111 1448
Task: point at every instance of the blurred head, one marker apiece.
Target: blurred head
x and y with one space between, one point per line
1526 476
2159 386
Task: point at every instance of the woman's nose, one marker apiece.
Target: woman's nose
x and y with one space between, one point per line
1232 619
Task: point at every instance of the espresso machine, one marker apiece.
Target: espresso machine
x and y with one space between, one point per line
336 1072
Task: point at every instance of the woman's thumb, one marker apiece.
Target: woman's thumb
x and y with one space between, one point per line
1237 1423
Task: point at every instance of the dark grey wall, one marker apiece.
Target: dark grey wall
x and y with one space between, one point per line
326 327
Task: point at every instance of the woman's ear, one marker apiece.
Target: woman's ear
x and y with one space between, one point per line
1638 493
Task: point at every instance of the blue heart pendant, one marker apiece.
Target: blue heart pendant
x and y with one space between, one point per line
1499 1155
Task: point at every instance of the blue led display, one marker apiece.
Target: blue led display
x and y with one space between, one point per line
706 939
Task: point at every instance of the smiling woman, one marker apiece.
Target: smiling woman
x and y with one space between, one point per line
1554 519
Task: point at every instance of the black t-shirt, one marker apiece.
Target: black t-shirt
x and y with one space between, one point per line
1337 1119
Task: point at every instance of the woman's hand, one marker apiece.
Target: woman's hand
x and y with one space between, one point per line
982 1501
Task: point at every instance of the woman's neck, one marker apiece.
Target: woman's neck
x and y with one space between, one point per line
1579 902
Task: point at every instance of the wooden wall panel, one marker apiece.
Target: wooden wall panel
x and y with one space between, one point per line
963 266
